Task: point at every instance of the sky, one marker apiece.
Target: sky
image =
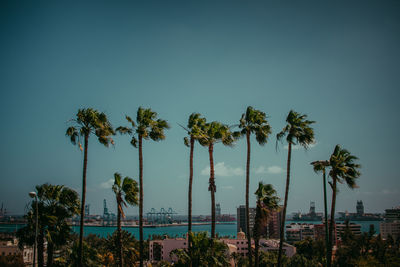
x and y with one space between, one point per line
336 62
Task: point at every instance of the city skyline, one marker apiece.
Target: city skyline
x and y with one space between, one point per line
335 62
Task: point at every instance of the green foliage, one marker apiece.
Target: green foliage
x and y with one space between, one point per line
297 130
12 261
255 121
90 121
125 192
206 252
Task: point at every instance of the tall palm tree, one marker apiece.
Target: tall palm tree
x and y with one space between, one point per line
194 130
253 121
343 170
147 126
215 132
88 121
320 166
297 132
126 191
267 201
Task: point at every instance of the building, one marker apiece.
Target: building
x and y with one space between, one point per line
354 228
274 221
299 231
9 246
391 225
241 219
391 228
161 249
392 214
218 210
360 208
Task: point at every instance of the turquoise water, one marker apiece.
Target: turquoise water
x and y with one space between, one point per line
173 231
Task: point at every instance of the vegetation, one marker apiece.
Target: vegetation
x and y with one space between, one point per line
147 126
125 192
343 169
194 129
56 203
205 252
252 122
214 132
297 132
88 121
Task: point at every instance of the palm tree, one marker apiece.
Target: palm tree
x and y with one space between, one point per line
267 201
88 121
253 121
297 131
56 203
343 170
147 126
194 129
125 192
320 166
215 132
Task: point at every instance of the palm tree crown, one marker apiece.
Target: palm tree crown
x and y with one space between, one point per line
343 167
266 197
147 126
90 121
297 130
194 128
215 132
126 191
255 121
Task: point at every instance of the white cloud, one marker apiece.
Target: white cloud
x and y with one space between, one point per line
296 147
221 169
108 184
270 169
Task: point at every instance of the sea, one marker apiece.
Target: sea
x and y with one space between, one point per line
223 229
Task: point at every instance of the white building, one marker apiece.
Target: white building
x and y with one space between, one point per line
10 247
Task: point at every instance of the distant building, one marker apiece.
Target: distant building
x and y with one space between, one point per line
391 225
392 214
299 231
274 221
218 210
360 208
391 228
241 218
354 228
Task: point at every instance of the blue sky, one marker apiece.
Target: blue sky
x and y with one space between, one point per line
336 62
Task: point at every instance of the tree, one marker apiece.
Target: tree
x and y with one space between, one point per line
88 121
147 126
297 132
206 252
56 203
320 166
215 132
343 169
253 121
125 192
195 131
267 201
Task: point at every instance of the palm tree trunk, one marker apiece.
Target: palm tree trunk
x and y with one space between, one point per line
256 234
141 201
282 233
212 189
190 199
120 264
80 250
332 223
40 248
328 262
247 199
50 252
